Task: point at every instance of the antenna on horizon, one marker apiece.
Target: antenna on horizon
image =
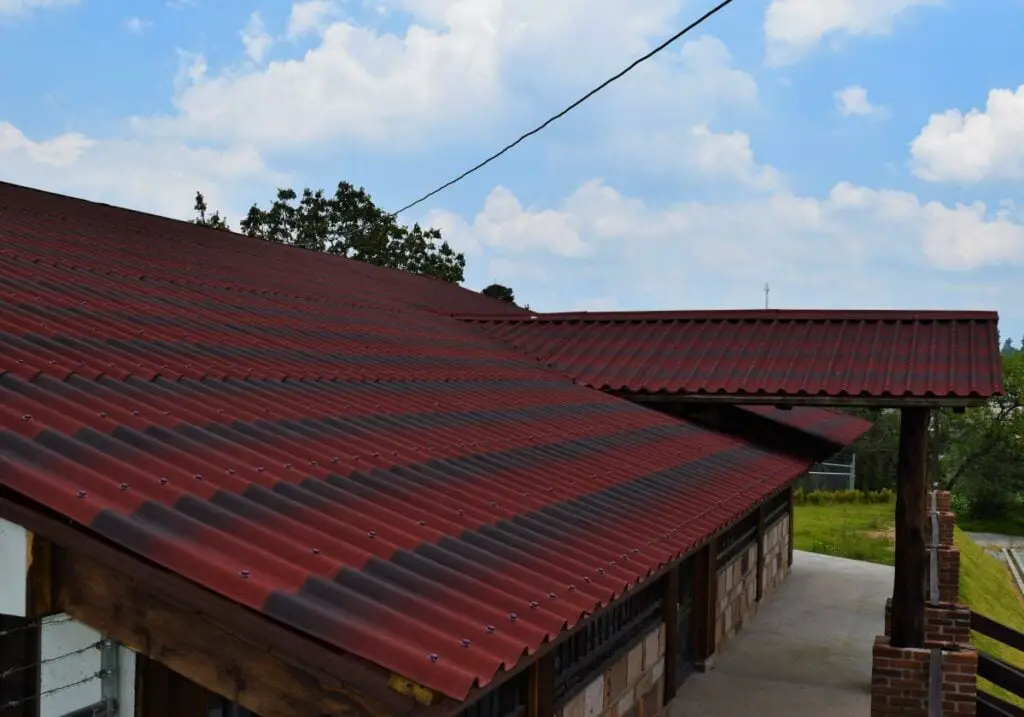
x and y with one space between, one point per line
766 291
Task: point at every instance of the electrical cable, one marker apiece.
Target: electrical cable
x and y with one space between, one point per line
696 23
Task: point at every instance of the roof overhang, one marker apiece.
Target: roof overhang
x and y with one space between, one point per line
791 401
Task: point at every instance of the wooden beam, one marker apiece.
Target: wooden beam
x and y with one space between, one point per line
791 496
705 599
670 618
781 401
760 552
540 687
200 649
911 510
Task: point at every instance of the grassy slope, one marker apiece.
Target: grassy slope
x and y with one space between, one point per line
985 586
861 532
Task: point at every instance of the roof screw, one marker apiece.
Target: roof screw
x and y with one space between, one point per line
163 480
421 522
490 629
259 469
624 557
551 596
231 471
198 476
123 486
460 511
433 657
493 504
372 534
82 494
27 417
315 551
636 550
243 573
103 414
601 571
466 642
288 466
586 580
512 617
534 604
334 459
313 463
571 588
136 413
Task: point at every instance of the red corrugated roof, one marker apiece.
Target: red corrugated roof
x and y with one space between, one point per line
834 354
303 435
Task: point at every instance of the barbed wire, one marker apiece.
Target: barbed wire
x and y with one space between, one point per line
32 665
99 675
33 624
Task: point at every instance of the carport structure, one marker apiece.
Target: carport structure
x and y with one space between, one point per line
716 366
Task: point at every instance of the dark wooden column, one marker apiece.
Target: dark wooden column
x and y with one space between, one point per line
670 616
705 598
911 564
760 551
792 520
540 687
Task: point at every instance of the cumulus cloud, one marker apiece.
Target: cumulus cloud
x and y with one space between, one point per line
853 101
976 146
137 25
793 28
255 38
450 71
159 177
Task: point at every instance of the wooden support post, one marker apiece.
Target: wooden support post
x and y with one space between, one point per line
540 687
670 618
911 511
760 552
792 519
705 599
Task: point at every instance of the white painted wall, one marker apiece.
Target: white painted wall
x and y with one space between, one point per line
70 663
125 682
14 556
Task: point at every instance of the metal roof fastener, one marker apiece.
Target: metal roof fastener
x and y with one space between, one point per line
490 629
433 657
372 534
123 486
534 604
512 617
243 573
82 494
466 642
315 551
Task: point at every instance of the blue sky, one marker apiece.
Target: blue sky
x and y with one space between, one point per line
851 154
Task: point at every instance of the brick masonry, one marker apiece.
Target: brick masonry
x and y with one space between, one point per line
633 686
900 677
737 581
944 623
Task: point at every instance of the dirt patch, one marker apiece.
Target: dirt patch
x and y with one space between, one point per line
887 534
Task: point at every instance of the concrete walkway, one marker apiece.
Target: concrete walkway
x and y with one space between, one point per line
807 652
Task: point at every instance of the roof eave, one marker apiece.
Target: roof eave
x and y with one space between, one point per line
824 401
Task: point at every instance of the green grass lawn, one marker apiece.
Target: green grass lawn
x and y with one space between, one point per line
864 532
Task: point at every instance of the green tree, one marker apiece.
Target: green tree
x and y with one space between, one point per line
500 292
348 223
984 457
204 219
1008 347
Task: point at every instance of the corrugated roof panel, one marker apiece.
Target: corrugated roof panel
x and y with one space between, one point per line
310 438
880 354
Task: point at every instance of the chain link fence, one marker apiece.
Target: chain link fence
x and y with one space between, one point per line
830 477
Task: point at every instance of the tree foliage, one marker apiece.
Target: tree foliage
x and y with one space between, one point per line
977 454
349 224
500 292
204 219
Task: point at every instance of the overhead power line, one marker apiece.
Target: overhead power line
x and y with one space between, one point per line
706 16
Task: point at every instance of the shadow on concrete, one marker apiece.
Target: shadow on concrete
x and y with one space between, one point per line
807 652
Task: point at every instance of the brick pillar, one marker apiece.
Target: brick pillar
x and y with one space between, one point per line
944 623
901 676
948 553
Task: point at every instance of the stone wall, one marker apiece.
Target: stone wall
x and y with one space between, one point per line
737 594
633 686
776 553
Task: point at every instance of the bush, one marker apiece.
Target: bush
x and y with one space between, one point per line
843 497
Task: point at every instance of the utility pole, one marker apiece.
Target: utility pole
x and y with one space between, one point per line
766 290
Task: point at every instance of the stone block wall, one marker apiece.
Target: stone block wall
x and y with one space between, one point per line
737 594
633 686
776 553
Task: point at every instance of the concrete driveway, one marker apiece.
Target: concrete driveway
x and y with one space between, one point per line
807 652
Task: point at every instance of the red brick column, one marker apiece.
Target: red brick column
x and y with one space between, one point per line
944 623
948 553
900 678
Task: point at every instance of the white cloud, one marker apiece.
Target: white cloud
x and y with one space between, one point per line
972 147
23 7
448 73
311 16
137 25
853 101
255 38
160 177
794 27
